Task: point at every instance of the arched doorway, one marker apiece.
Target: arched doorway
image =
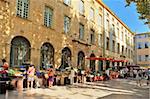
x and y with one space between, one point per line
100 65
20 51
122 63
113 65
81 60
47 55
118 63
65 58
107 64
92 63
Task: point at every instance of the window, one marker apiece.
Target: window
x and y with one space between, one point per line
23 8
92 37
67 2
122 36
107 25
113 46
113 19
118 32
92 14
67 21
113 29
139 45
99 21
107 15
81 7
125 38
99 40
146 35
20 51
81 31
122 50
139 58
48 17
139 36
47 55
118 48
126 51
117 24
81 60
107 44
132 54
131 41
146 45
146 57
100 9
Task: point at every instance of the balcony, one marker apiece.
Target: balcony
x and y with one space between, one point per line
80 41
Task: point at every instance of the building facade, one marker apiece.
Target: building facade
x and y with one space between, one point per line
142 42
77 33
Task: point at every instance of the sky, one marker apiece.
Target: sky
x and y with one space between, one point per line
128 15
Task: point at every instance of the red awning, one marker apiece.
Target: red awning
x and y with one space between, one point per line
100 58
119 60
116 60
95 58
125 60
109 59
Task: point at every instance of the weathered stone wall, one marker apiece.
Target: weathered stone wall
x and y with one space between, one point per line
4 27
34 30
36 33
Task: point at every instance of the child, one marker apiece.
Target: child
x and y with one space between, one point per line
51 77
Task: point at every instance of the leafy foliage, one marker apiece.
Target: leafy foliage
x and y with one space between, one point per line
143 8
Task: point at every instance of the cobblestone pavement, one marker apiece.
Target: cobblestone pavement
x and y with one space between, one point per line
112 89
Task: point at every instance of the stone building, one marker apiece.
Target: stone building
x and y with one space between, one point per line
142 42
78 33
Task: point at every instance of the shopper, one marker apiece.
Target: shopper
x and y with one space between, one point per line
107 74
51 77
30 73
72 75
139 78
5 64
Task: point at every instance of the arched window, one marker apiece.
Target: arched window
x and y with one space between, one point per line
20 51
47 55
66 58
92 63
81 60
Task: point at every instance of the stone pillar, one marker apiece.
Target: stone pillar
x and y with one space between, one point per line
96 65
110 64
104 65
35 57
57 58
7 52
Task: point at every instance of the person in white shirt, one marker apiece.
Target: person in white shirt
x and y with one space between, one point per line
72 75
107 73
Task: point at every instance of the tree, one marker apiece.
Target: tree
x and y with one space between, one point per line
143 8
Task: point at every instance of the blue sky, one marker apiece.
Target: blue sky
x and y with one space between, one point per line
128 15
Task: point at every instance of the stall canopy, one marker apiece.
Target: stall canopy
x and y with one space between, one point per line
103 58
133 66
95 58
119 60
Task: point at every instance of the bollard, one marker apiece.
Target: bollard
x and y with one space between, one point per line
2 87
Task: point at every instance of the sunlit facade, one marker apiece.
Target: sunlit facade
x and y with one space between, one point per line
64 33
142 45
